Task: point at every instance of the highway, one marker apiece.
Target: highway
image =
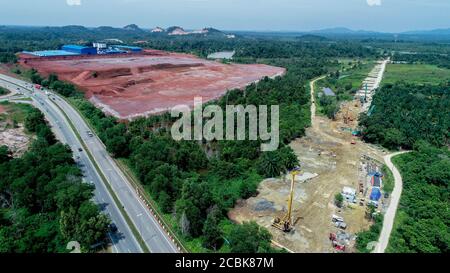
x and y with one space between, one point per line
155 238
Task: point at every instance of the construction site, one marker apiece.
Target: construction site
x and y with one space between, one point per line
371 84
150 81
300 209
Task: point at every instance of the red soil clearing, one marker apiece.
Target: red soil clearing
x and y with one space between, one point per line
129 86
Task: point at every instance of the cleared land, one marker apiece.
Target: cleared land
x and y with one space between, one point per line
131 86
416 73
12 132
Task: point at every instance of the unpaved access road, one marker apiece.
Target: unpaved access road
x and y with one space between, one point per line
389 217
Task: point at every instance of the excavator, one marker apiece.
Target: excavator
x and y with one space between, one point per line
286 223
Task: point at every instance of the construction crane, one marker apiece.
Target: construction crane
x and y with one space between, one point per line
286 223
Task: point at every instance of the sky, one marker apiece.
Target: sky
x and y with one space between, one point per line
258 15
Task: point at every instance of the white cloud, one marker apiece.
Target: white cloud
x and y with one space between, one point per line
374 3
73 2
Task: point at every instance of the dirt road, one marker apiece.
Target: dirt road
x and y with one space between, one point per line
389 217
313 101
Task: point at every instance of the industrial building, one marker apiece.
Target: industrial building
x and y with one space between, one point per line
78 50
51 53
81 50
127 48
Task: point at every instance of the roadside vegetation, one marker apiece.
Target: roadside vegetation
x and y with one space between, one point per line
44 204
388 179
423 222
3 91
364 238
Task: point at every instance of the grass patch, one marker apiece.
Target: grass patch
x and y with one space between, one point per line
416 73
388 179
355 75
400 218
15 111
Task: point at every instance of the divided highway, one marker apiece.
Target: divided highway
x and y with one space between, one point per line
57 111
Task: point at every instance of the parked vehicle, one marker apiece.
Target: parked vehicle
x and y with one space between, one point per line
341 225
336 219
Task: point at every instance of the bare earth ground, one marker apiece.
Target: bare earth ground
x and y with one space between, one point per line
327 155
153 82
15 138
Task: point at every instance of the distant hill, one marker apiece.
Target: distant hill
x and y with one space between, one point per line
211 30
132 27
341 32
337 30
175 30
442 31
158 30
74 28
132 31
312 38
344 31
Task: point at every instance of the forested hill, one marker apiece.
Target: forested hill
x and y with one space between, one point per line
406 113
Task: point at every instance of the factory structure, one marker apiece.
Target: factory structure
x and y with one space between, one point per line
79 50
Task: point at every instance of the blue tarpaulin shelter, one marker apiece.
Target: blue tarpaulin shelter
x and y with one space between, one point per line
328 92
375 195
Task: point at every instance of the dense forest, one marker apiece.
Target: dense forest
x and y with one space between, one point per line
423 219
406 113
43 202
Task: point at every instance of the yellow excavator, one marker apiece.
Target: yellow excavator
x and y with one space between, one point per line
286 223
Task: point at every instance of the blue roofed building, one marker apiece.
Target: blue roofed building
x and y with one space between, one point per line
81 50
328 92
51 53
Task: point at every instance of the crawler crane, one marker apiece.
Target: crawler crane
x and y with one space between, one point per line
286 223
